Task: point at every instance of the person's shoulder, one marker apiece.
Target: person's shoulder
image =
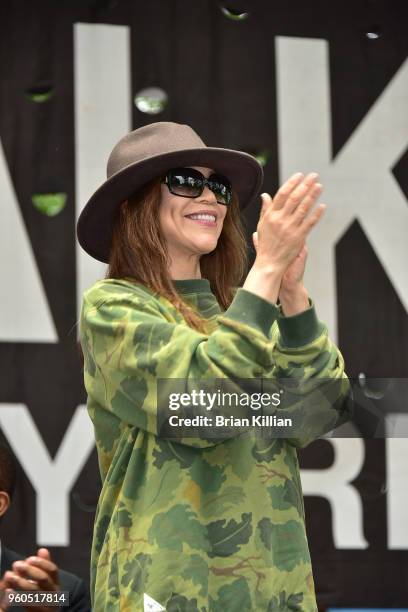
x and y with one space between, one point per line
8 557
116 288
122 295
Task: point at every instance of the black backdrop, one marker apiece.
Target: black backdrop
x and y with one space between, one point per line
220 78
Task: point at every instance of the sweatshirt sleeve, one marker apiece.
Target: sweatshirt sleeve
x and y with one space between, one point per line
130 339
310 369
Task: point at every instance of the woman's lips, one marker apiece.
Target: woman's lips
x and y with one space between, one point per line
203 222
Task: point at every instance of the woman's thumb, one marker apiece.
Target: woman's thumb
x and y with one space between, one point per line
264 204
255 240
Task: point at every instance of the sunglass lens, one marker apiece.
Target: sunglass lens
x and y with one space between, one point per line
222 189
185 183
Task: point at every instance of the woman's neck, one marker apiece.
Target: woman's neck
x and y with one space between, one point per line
185 268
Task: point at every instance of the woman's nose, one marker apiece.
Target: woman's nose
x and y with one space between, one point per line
208 195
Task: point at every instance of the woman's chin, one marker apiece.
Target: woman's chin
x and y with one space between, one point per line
201 244
206 246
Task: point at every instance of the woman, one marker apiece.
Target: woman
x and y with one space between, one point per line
196 523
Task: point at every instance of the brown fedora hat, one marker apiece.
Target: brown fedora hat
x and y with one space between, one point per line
148 152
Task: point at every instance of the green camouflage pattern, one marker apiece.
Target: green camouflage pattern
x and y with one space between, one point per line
198 525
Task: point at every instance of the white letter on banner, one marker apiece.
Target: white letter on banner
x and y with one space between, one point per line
103 114
397 480
25 313
358 183
333 484
51 479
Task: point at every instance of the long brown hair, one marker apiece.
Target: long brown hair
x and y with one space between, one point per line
138 251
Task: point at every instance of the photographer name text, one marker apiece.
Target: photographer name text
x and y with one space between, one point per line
221 421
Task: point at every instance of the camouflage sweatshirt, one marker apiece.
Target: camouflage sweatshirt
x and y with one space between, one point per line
208 525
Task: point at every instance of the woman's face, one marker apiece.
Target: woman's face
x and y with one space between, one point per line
187 236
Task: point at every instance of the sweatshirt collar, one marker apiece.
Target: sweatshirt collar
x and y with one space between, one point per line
192 285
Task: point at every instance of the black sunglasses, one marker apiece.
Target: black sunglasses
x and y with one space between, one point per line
190 183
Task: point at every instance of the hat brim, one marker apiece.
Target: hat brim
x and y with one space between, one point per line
94 227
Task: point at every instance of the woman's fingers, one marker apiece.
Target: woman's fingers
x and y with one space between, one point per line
286 220
313 218
290 194
286 189
255 240
266 203
307 203
302 191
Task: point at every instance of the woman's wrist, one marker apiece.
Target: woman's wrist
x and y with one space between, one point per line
264 281
294 301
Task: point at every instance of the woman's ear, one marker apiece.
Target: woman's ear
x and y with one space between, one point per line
4 502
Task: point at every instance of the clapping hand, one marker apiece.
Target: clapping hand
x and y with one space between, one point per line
285 227
35 573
